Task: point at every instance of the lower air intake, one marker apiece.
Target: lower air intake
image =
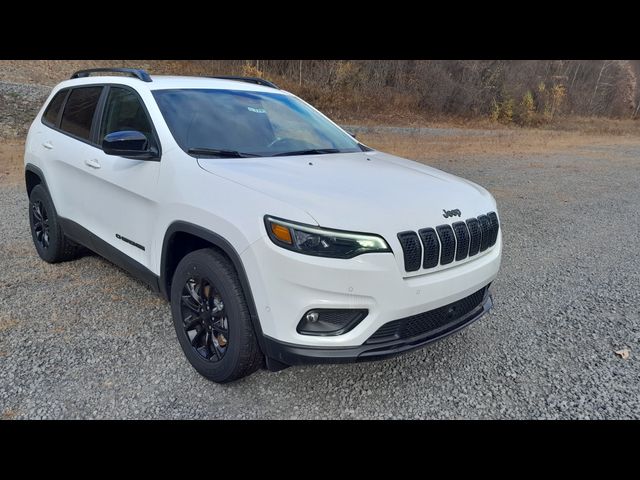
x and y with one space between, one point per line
431 321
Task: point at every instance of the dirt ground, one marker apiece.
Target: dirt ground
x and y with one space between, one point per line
11 161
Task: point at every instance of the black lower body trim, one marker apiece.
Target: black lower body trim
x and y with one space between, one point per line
290 354
84 237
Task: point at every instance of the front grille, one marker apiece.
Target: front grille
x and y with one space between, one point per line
476 236
445 317
495 226
462 240
411 249
431 247
446 244
485 227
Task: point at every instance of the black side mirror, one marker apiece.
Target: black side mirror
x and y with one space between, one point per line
352 134
128 143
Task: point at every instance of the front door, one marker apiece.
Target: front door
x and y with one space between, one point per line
122 204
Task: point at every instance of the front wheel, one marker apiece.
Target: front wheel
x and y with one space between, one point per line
211 317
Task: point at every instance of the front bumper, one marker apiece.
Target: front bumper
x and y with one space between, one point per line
291 354
287 284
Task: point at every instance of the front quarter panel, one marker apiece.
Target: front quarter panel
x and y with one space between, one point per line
232 211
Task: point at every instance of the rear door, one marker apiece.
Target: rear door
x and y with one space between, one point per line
66 146
120 207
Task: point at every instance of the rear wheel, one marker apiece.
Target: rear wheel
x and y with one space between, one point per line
48 237
211 317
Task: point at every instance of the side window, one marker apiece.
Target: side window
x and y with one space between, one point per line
50 116
123 111
79 110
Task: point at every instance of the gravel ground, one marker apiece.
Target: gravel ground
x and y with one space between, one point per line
19 103
85 340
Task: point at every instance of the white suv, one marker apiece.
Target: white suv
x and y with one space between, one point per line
274 233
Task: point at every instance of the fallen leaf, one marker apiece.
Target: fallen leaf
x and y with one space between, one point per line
623 353
9 414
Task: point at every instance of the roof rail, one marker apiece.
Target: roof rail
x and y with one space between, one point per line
256 80
134 72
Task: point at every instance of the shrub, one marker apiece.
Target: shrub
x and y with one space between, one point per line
527 109
502 111
249 70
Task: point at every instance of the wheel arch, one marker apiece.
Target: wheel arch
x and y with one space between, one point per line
182 238
33 176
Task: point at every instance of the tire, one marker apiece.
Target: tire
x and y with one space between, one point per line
48 238
219 342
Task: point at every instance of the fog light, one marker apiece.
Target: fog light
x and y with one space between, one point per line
329 321
312 317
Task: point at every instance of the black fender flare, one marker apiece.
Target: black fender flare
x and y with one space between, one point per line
37 171
224 245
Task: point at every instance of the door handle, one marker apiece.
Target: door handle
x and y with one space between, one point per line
92 163
47 145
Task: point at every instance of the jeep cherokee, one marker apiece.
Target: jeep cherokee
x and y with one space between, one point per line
277 236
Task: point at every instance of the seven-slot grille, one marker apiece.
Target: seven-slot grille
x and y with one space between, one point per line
446 243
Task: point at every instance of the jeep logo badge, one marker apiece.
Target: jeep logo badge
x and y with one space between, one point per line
451 213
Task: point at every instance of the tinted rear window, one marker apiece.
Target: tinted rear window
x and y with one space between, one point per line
79 110
50 116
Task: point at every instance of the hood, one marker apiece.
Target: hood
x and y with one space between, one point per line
365 191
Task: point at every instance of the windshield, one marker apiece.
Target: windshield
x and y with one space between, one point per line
241 123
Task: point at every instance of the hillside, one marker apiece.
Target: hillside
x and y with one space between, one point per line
558 94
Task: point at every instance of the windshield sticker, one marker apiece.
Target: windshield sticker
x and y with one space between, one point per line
256 110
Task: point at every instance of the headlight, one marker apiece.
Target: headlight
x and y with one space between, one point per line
322 242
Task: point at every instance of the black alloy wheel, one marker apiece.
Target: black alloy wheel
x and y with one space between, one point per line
40 222
211 317
204 318
48 237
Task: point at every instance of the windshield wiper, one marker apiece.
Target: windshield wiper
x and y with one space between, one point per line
214 152
312 151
